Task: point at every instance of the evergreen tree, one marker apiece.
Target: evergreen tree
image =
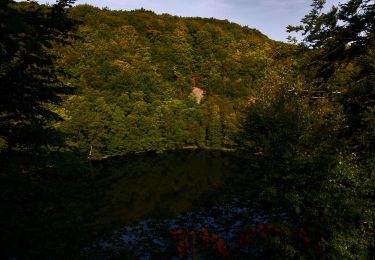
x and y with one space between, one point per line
30 79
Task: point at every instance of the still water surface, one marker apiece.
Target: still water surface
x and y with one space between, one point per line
145 196
160 185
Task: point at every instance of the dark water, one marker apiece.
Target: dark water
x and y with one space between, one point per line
143 197
160 185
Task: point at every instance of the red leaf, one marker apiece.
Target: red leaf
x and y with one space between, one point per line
205 235
221 247
271 227
261 228
180 248
279 232
178 233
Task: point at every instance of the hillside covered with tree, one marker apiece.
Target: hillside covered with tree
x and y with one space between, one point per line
135 72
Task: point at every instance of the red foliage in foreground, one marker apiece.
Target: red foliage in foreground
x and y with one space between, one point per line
261 232
201 237
194 237
190 240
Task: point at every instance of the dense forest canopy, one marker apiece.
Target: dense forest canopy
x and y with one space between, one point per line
136 71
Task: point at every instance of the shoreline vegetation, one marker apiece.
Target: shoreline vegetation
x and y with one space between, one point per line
109 118
188 148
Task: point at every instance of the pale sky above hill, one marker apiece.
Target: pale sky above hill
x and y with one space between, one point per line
269 16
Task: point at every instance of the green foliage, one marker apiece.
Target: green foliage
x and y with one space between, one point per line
29 77
300 157
135 72
343 61
312 136
40 178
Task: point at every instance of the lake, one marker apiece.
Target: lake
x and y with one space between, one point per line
144 196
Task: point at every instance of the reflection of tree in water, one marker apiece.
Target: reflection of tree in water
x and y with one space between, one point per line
158 184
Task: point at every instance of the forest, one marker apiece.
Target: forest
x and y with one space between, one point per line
102 110
136 72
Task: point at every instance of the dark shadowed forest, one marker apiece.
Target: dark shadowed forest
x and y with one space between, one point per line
128 134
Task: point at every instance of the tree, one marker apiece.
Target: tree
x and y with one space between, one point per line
341 46
314 136
30 79
340 35
343 42
36 213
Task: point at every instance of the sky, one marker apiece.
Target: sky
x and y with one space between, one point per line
269 16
